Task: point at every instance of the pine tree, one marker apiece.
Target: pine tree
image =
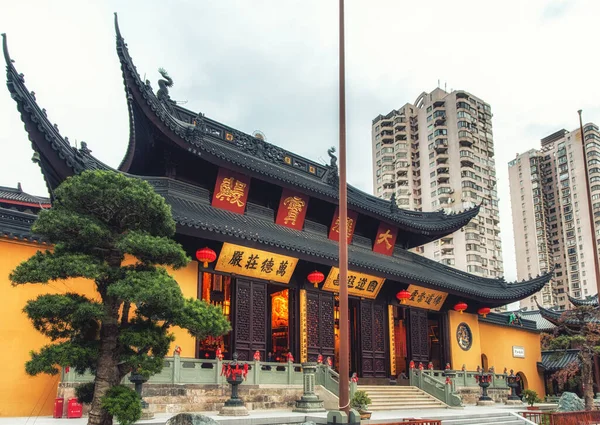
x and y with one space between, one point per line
579 328
97 219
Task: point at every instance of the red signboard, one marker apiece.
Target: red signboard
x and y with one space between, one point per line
231 191
334 231
385 239
292 209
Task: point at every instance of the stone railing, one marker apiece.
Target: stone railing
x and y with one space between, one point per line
328 378
466 378
434 383
181 370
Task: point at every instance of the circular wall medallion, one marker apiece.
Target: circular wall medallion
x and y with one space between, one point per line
464 336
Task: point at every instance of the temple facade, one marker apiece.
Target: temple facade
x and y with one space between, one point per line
270 217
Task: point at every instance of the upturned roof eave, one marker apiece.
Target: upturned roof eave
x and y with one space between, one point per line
429 225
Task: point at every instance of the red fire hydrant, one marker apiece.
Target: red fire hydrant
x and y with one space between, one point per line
74 409
59 404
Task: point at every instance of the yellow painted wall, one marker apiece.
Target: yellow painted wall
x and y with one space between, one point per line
187 278
459 357
21 394
497 343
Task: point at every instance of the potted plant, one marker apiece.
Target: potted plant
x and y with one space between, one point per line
360 401
531 397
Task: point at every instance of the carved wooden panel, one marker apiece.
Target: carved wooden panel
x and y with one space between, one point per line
419 338
320 325
250 319
373 341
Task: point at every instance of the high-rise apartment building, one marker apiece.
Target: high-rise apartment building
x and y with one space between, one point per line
438 153
550 210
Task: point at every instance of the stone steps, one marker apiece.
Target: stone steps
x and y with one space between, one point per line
483 419
391 397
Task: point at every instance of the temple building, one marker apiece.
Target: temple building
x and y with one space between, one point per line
271 219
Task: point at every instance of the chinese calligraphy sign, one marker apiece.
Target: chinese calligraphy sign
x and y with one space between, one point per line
425 298
359 284
231 191
292 209
334 231
385 239
255 263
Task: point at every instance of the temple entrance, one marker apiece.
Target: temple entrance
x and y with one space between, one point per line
400 326
426 337
280 327
216 290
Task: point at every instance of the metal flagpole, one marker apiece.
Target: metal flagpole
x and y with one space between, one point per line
344 359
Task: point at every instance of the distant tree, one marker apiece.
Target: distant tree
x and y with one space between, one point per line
579 328
97 218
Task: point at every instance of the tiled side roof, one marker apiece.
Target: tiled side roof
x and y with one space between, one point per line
17 225
17 196
541 323
554 360
590 300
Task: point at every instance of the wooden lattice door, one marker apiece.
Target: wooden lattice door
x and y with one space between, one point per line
373 341
320 326
250 325
419 337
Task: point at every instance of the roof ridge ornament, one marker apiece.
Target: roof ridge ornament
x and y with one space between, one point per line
163 92
393 204
331 175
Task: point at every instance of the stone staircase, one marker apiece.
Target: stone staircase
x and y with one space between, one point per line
392 397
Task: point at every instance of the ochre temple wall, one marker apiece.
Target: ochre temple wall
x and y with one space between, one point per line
497 344
472 357
21 394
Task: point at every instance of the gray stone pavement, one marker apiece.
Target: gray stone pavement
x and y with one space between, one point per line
274 417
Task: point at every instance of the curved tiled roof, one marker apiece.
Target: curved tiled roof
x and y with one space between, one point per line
590 300
17 225
11 195
204 137
554 360
191 209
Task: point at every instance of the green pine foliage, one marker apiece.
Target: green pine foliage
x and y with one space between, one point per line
123 403
97 219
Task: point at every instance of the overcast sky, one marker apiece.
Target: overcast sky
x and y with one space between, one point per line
272 65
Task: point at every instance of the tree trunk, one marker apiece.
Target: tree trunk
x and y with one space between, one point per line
588 381
107 374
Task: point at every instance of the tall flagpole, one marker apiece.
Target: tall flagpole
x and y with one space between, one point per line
344 359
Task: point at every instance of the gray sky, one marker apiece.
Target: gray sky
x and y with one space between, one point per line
272 65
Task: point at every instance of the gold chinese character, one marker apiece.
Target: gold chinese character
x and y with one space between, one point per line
231 190
294 205
385 238
336 225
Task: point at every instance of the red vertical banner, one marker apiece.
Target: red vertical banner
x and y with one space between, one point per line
292 209
334 230
385 239
231 191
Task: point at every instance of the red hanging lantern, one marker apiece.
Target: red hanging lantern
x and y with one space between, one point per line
205 256
315 277
403 296
484 311
460 307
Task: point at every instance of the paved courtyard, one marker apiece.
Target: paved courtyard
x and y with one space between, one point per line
273 417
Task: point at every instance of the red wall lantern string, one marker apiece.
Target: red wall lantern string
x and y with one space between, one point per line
484 311
403 296
205 256
315 278
460 307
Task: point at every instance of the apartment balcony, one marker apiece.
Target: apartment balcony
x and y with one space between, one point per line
385 124
400 137
462 95
400 120
467 162
442 157
465 142
443 171
443 179
440 120
439 104
400 128
440 145
402 165
447 243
